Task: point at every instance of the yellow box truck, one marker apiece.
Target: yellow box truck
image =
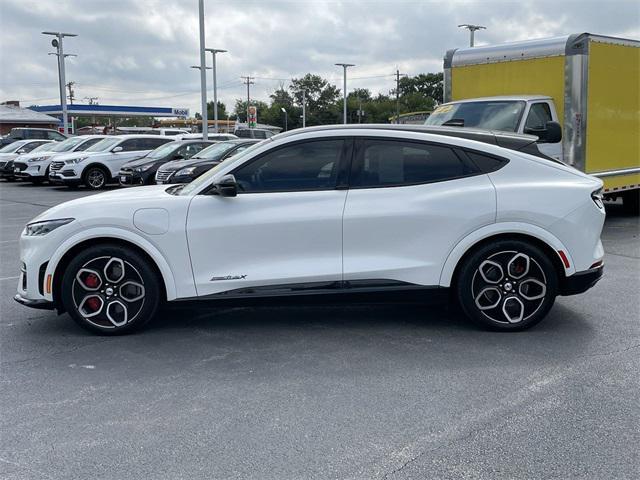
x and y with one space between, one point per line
588 84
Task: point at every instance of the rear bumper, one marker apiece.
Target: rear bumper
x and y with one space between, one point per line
580 282
33 303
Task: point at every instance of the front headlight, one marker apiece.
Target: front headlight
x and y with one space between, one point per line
186 171
36 229
36 159
143 168
73 161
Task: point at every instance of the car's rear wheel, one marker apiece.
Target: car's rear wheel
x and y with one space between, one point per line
110 289
507 285
95 178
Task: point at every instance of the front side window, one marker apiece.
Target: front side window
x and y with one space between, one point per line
104 145
383 163
188 151
310 165
539 115
88 143
130 145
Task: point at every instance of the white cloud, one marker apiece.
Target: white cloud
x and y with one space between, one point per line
139 51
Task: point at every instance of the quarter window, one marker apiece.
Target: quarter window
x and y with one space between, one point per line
304 166
394 163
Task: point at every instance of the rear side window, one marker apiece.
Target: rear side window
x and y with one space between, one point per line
485 163
388 163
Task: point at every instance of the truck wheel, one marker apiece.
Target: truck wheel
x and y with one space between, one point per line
110 289
95 178
631 201
507 285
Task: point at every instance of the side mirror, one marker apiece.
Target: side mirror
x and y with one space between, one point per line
178 157
116 149
226 187
21 151
550 133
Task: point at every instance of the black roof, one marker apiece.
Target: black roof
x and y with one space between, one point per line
512 141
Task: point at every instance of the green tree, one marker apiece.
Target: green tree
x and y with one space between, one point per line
428 85
320 98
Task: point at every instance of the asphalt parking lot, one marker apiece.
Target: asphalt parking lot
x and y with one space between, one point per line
293 391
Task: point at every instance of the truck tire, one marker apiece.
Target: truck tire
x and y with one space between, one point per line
631 201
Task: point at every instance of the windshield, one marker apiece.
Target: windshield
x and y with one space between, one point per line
103 145
12 147
66 145
45 147
215 151
205 178
501 115
163 150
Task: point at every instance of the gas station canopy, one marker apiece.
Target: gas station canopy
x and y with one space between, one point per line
79 110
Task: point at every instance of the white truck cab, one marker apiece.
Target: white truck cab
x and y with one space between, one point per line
527 114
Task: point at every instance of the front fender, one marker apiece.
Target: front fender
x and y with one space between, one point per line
120 234
487 231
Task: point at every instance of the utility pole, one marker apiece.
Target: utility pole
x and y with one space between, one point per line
71 93
472 29
398 75
248 81
304 108
203 73
215 87
344 109
57 43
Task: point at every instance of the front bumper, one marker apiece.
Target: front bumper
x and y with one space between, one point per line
34 303
128 178
31 171
64 176
580 282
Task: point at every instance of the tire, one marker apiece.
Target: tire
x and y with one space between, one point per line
505 298
631 202
101 277
95 178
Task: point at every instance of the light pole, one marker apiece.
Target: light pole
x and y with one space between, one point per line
304 108
286 118
344 109
215 87
57 42
472 29
205 132
203 76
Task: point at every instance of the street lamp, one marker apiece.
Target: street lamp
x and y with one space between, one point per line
286 118
215 87
344 109
57 43
472 29
203 76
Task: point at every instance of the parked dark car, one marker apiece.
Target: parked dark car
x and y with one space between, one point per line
20 133
142 171
184 171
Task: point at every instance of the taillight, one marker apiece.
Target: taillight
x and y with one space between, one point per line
597 198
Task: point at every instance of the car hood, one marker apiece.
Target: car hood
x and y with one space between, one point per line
5 157
44 153
114 203
70 155
138 162
192 162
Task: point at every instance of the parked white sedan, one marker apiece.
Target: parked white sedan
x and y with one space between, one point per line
322 211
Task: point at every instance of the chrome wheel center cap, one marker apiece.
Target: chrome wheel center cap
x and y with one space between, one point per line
109 291
508 286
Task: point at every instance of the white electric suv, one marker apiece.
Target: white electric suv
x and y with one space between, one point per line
99 164
35 166
328 210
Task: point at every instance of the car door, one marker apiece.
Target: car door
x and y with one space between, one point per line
409 203
283 228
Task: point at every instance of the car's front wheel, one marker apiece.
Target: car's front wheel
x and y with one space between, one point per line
507 285
110 289
95 178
